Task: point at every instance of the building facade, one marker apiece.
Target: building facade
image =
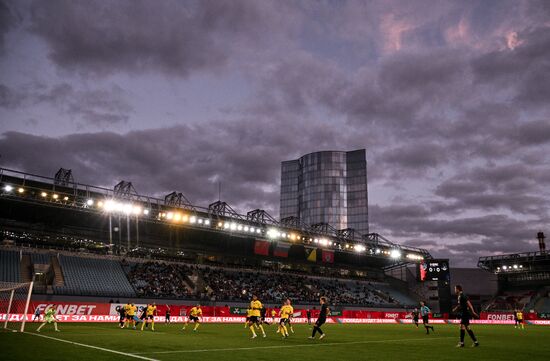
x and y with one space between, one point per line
327 187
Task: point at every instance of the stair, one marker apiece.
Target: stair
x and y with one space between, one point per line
25 270
59 280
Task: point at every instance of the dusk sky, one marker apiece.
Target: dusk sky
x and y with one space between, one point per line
451 100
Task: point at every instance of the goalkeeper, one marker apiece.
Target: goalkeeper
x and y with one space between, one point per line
49 317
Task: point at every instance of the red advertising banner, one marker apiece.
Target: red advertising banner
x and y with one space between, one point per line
261 248
328 256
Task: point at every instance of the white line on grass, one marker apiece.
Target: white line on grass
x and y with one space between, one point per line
90 346
292 346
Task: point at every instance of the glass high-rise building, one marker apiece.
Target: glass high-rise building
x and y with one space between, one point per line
327 187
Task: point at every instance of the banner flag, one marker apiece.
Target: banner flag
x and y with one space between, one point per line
328 256
261 248
281 250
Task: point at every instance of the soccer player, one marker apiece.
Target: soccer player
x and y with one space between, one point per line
167 315
194 315
36 314
466 311
143 315
131 316
308 315
248 314
323 313
414 315
49 317
121 315
150 312
128 318
285 312
519 319
254 320
425 313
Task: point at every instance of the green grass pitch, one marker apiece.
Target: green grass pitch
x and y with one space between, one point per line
232 342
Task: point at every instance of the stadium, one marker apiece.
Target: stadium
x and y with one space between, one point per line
274 180
87 251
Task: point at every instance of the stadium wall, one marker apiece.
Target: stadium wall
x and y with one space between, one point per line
106 312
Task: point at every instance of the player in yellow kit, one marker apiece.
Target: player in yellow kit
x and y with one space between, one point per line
248 314
194 315
131 310
254 320
150 316
519 319
285 313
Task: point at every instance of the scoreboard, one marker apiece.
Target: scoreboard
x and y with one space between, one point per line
434 270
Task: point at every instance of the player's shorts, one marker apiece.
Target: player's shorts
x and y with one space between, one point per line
282 321
128 317
254 319
520 321
288 321
425 319
193 318
143 316
465 320
151 317
49 319
167 317
320 322
415 319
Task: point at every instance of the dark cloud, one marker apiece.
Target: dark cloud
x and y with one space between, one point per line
171 37
9 98
8 19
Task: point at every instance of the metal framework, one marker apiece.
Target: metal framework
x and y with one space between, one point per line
176 199
222 209
261 216
125 190
346 233
530 259
63 177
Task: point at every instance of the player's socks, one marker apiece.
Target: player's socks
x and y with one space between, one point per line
314 332
462 333
262 328
143 325
253 332
291 329
152 325
196 326
472 336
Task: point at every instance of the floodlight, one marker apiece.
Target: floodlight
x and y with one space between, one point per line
206 222
55 196
146 212
90 202
395 254
272 233
193 219
8 188
44 194
21 190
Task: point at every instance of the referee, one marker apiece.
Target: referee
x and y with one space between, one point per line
321 320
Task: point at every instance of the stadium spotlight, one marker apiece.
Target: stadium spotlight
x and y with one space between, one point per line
504 268
239 227
233 226
8 188
272 233
177 217
259 230
126 208
184 218
136 210
395 254
44 194
206 222
220 224
245 228
515 266
226 225
109 206
146 212
90 202
65 198
21 190
55 196
520 266
377 251
192 219
169 215
100 204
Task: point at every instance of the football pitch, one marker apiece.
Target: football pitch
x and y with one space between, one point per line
232 342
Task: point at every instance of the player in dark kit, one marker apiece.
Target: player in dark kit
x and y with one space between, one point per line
466 311
414 315
167 315
308 315
122 315
321 319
